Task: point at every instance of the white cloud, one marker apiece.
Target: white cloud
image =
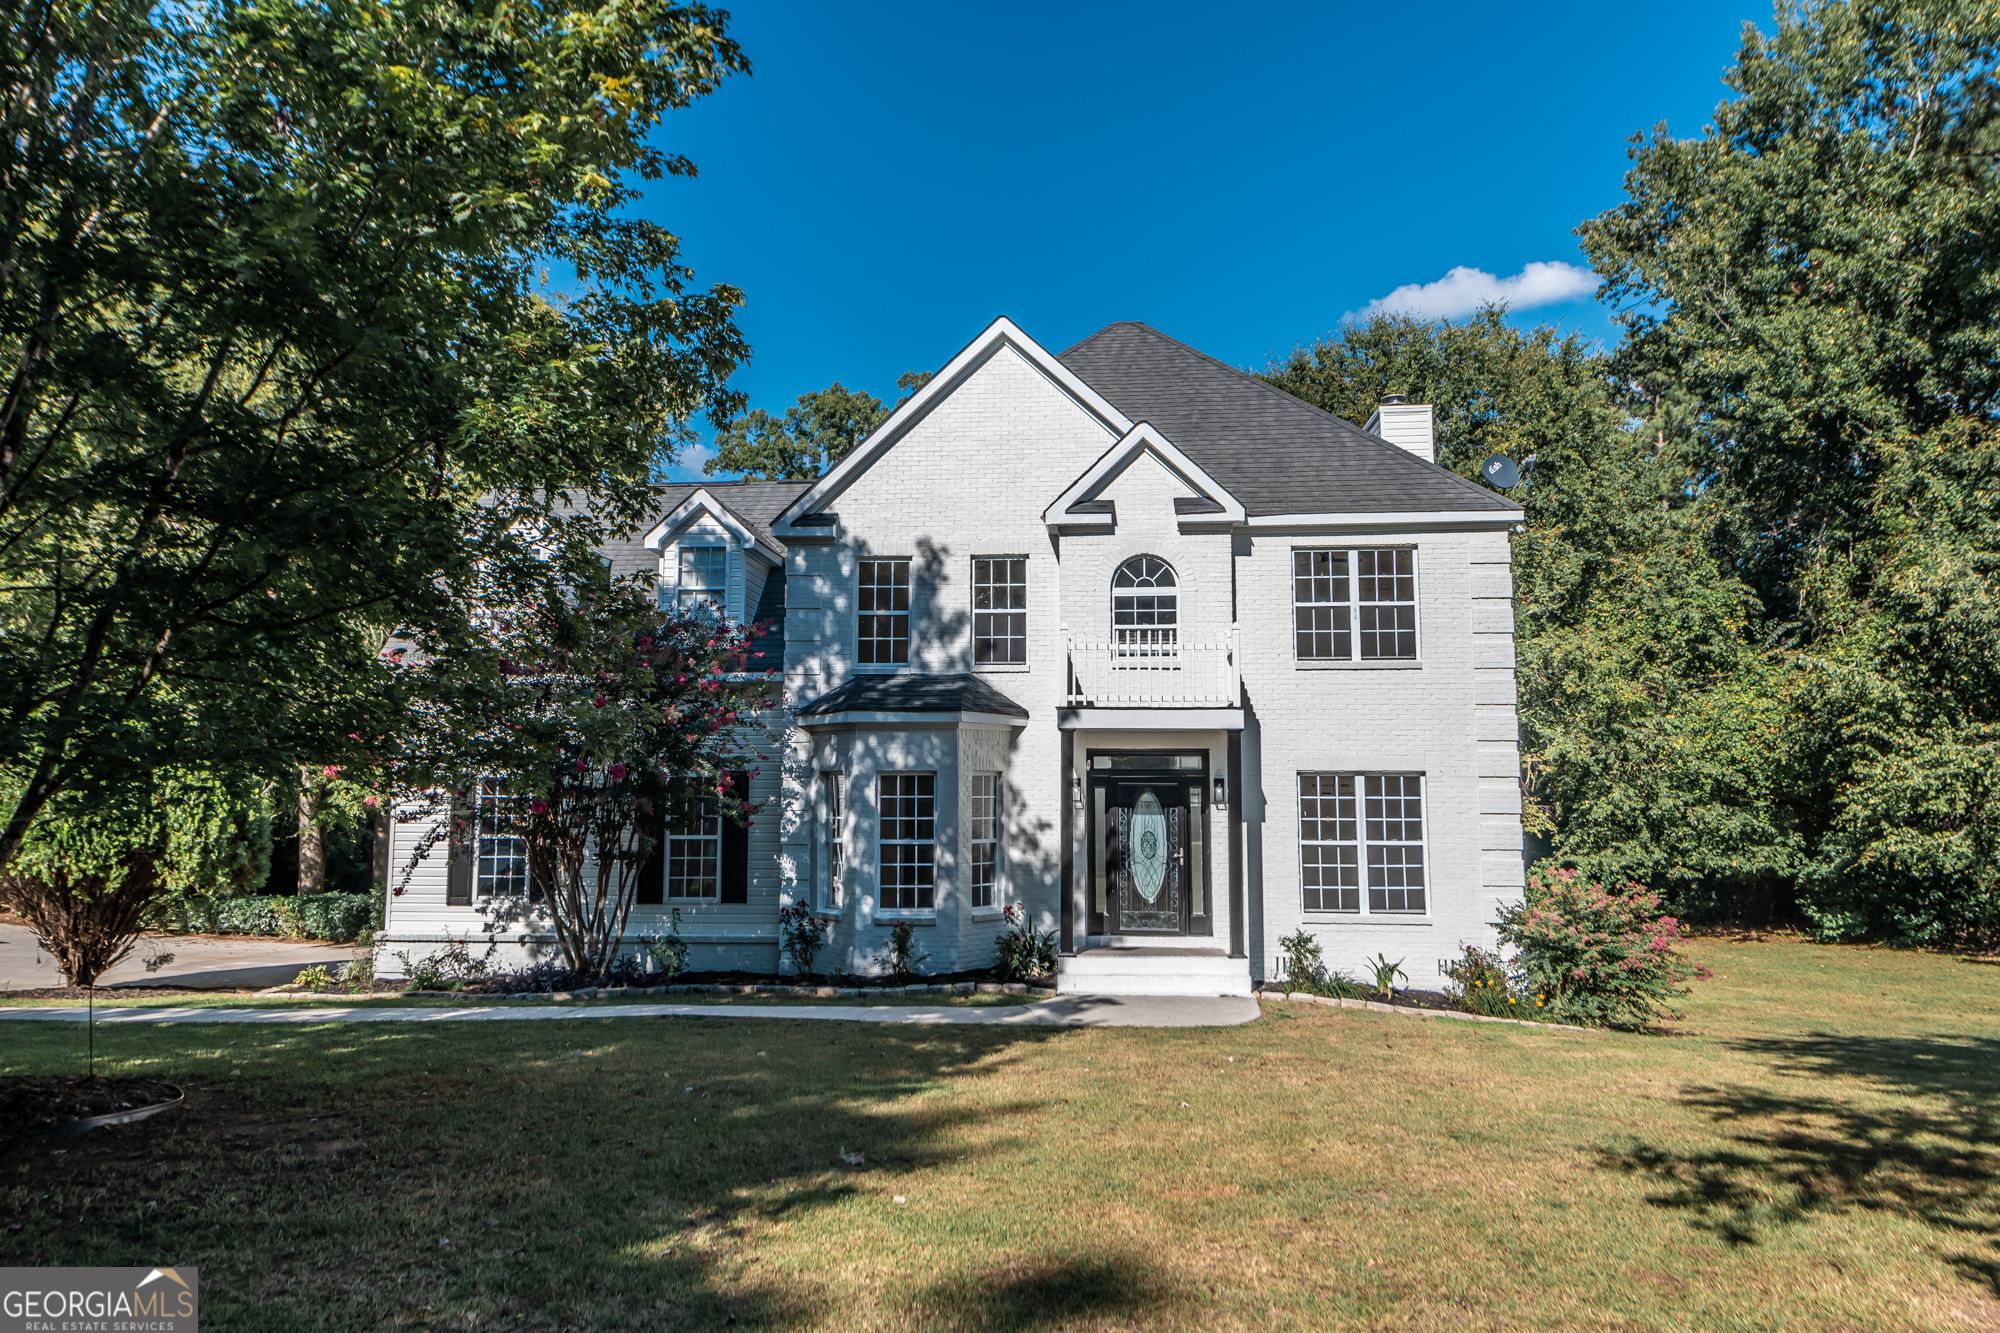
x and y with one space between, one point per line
1464 290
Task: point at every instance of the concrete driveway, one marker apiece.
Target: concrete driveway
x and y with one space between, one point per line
201 962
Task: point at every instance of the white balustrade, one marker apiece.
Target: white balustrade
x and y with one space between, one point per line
1152 669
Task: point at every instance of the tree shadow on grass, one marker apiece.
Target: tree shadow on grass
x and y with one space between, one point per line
1032 1292
623 1174
1918 1139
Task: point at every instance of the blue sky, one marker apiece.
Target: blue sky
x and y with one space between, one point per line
893 176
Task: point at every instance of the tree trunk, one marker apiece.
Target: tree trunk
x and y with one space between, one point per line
312 838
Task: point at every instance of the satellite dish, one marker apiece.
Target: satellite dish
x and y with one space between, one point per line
1500 472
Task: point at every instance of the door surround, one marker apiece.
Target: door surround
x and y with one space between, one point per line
1104 766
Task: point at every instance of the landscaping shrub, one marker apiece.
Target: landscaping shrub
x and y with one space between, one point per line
1481 982
1021 951
903 955
1596 955
803 934
1305 969
450 968
340 917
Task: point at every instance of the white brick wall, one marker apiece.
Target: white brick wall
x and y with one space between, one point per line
1451 718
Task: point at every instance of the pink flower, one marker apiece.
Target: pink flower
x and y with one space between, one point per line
331 771
370 801
598 702
538 807
618 772
580 766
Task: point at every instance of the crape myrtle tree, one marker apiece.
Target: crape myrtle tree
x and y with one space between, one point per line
587 720
281 363
1815 273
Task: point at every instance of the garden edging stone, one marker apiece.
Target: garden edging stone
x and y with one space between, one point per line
1377 1006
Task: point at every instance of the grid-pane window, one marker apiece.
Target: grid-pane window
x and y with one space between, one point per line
704 578
1349 605
836 842
694 851
1361 827
984 826
1329 844
908 848
999 610
1393 824
503 852
1386 588
1320 612
1145 608
884 603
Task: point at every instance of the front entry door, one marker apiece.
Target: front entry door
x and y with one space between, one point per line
1146 856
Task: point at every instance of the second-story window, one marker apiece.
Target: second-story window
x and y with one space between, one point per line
1354 605
884 605
999 610
1145 608
704 578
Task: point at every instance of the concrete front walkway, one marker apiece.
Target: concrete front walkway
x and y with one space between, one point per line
201 962
1113 1011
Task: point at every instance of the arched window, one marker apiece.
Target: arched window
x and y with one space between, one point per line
1145 608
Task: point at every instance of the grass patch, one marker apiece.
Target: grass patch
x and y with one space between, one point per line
1815 1148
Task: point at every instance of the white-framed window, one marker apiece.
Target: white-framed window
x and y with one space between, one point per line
703 579
1354 605
1362 830
502 871
1145 608
694 852
907 810
883 602
983 835
999 610
834 841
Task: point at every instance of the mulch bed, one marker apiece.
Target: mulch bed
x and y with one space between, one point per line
30 1105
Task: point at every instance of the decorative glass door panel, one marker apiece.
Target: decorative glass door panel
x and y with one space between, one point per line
1146 857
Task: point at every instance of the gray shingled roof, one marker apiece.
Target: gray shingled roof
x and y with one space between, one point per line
1274 453
757 503
914 694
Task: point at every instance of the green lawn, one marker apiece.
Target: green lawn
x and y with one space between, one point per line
1816 1147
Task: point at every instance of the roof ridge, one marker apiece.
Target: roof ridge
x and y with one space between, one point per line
1292 398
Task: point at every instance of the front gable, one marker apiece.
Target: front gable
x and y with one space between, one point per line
1001 353
1143 463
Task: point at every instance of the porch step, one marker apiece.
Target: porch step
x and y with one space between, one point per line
1152 970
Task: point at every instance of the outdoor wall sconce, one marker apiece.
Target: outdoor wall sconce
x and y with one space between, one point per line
1076 789
1221 801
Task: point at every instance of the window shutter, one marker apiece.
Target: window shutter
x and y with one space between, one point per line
652 889
463 847
736 850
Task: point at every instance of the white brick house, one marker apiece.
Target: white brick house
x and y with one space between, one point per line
1171 660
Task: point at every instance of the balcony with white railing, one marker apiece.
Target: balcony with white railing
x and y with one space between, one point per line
1151 668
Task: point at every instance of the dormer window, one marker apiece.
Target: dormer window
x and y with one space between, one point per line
704 579
1145 608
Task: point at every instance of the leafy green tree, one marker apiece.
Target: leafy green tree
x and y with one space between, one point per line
280 366
1648 748
1814 272
93 864
810 438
